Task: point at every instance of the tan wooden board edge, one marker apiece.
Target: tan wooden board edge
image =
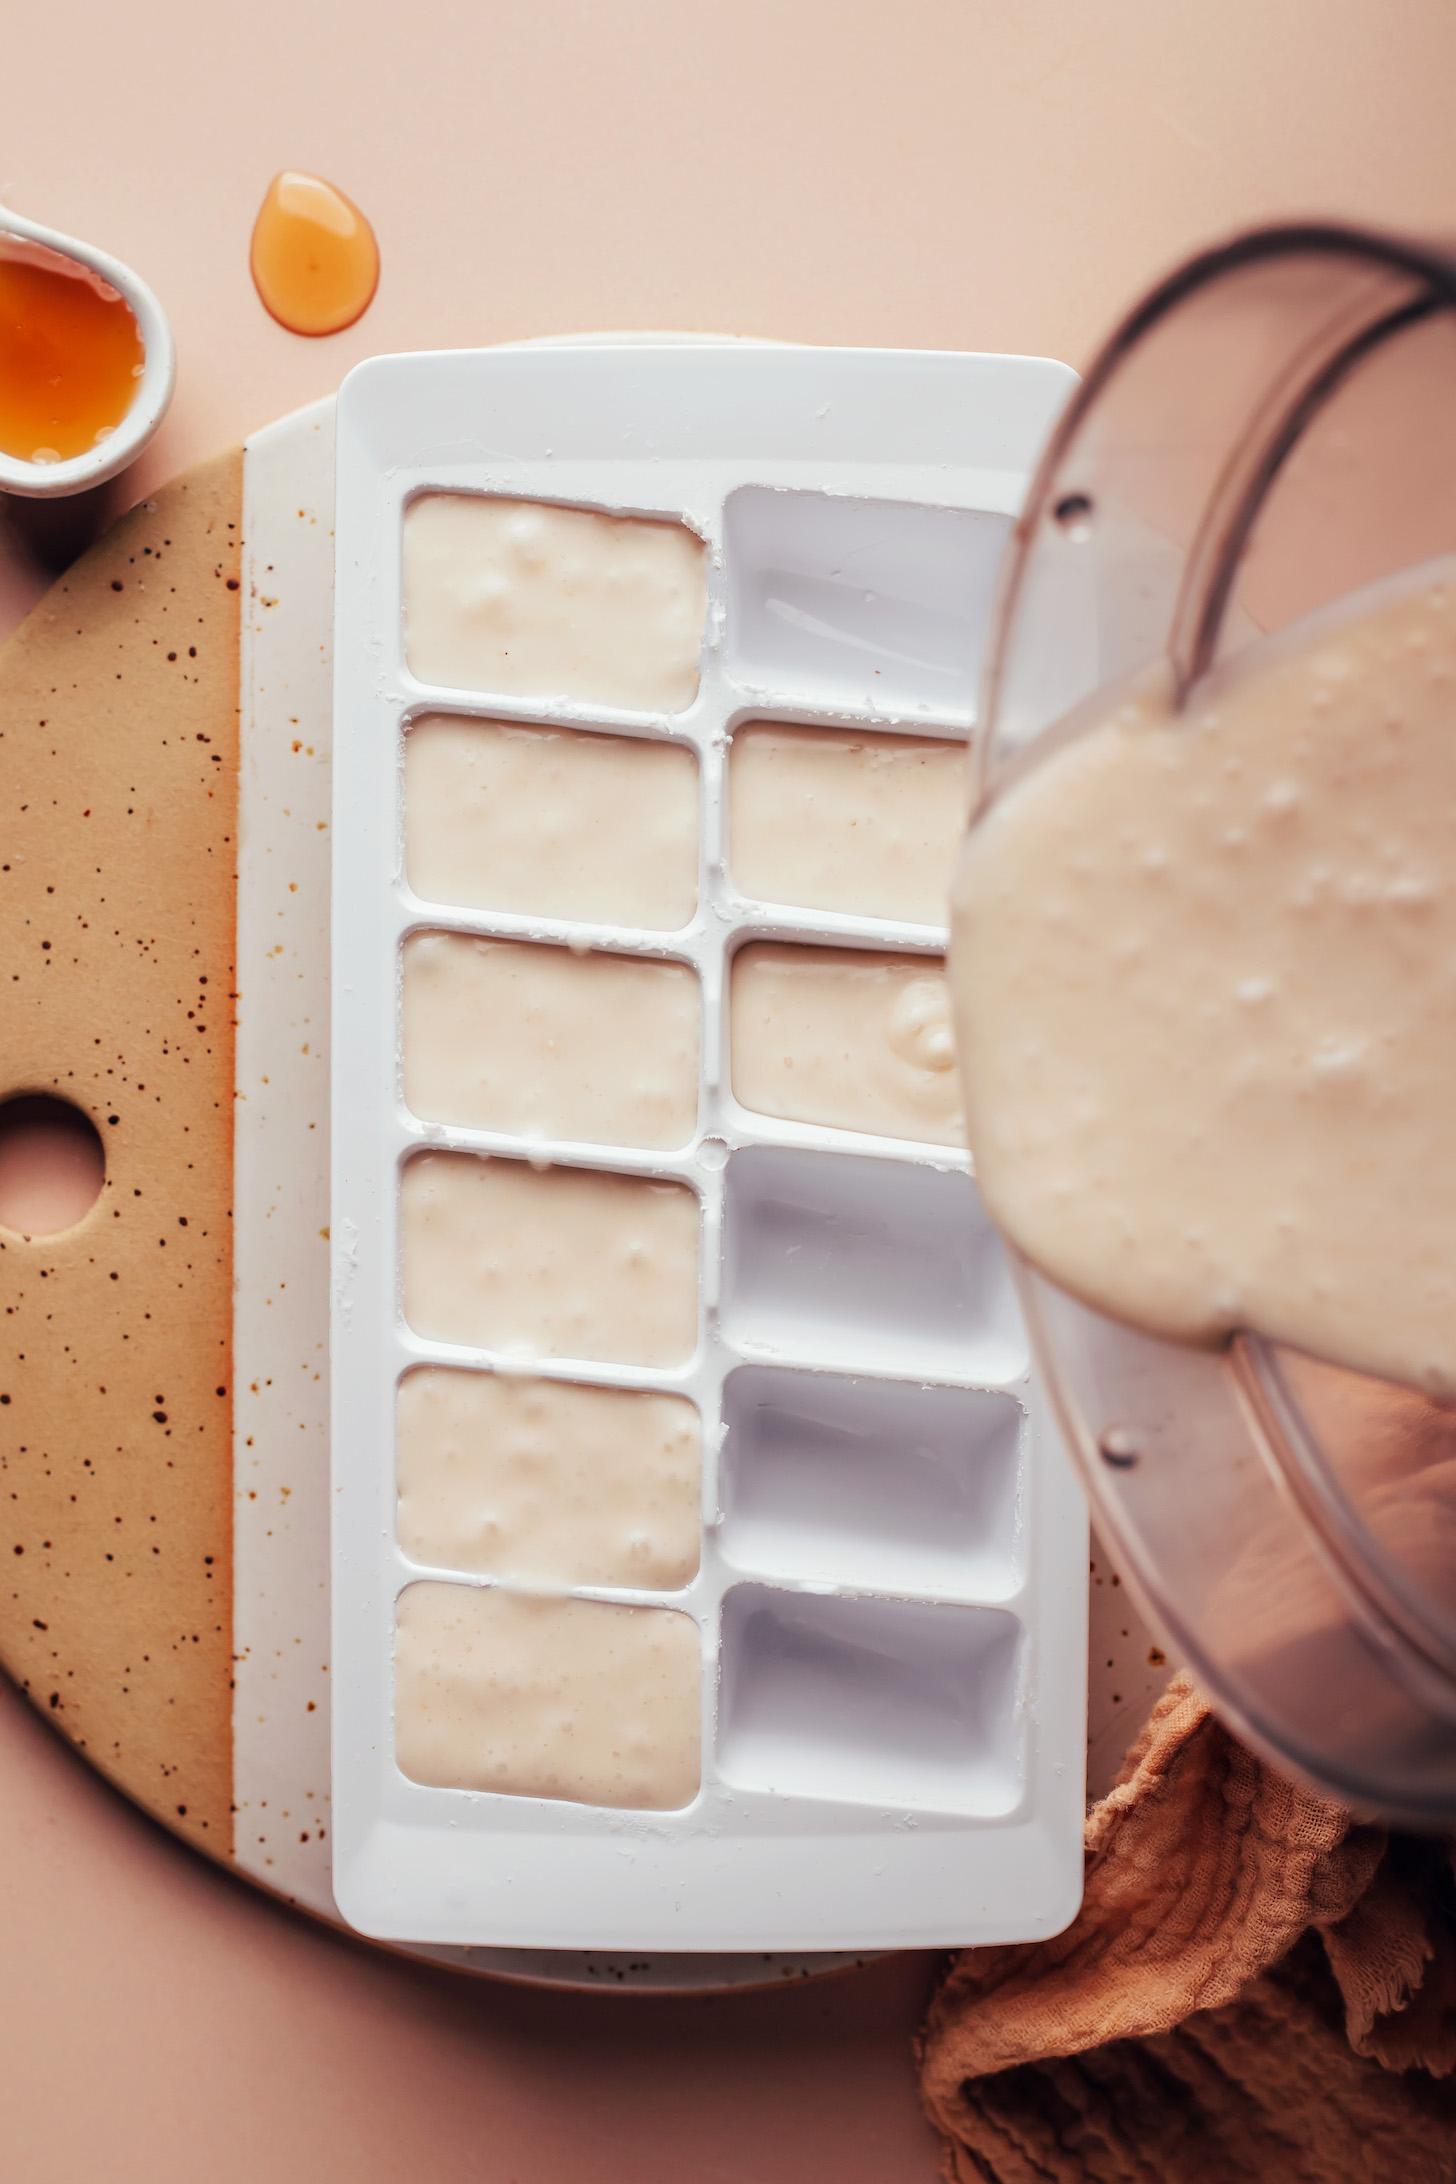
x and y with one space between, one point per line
118 790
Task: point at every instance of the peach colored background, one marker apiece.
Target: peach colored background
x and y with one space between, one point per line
967 173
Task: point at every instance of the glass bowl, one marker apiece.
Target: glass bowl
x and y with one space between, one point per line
1272 428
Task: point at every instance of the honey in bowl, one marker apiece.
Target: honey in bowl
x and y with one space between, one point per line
71 358
315 261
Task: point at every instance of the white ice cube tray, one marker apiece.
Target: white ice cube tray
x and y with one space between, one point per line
892 1591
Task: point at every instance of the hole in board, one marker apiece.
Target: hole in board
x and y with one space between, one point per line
52 1165
1073 512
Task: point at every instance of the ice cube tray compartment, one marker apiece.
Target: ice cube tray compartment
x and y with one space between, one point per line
872 1484
889 1590
878 605
548 1482
831 1258
504 594
529 1259
529 1695
848 820
587 1045
488 804
871 1702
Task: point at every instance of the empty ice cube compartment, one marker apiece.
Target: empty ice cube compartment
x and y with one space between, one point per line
550 1042
557 822
529 1696
549 1262
878 606
831 1258
881 1484
871 1702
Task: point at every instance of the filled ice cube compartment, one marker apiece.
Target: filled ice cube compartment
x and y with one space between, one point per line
570 823
531 1696
844 819
532 599
874 1702
829 1258
884 1485
846 1037
550 1042
549 1261
548 1482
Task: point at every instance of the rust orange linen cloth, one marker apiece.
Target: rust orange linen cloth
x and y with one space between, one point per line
1257 1987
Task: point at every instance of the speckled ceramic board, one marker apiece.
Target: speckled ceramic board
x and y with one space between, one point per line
164 880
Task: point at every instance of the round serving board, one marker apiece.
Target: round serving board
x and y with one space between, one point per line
164 889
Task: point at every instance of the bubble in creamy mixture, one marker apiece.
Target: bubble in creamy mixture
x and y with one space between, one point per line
920 1025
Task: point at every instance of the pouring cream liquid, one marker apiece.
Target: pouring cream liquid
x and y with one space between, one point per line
1204 967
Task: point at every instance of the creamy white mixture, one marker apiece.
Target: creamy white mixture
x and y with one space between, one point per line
544 1042
536 1697
562 822
524 599
545 1483
1205 981
837 819
549 1262
844 1037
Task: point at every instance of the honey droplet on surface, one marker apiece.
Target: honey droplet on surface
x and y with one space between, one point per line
71 358
314 258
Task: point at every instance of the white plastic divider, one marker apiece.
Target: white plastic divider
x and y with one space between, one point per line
892 1742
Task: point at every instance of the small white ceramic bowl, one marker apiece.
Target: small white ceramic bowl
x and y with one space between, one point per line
46 481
